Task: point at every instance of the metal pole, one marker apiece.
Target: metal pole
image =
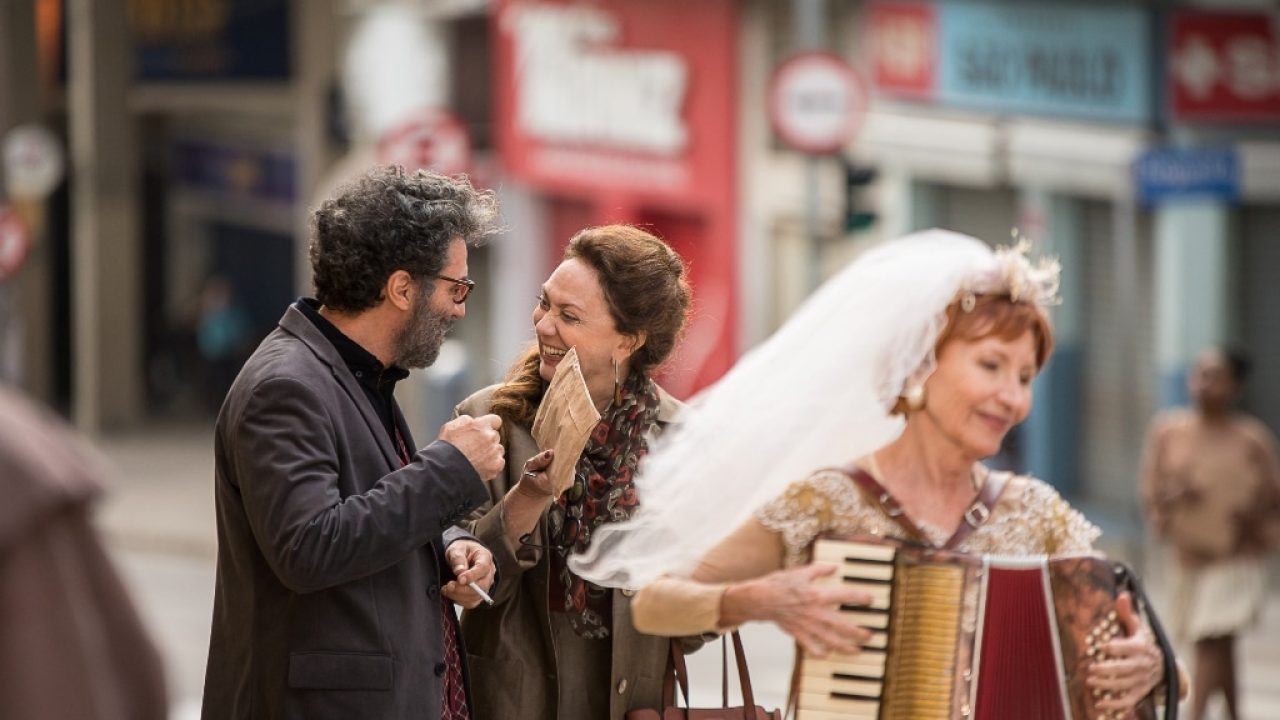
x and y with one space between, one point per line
106 277
808 18
1125 228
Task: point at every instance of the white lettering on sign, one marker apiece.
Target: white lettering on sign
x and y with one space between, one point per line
573 88
1196 67
1252 67
903 47
1249 66
815 102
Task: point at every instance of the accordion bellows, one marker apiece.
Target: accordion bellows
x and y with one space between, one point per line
964 636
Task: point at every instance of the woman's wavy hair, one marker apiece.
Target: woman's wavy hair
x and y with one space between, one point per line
390 220
646 288
998 316
993 315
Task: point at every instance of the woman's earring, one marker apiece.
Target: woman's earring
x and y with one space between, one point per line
915 398
617 384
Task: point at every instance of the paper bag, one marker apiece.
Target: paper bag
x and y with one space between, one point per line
565 420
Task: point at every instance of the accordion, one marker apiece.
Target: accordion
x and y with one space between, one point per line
965 636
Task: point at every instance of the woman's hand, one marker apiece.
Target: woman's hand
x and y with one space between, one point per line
526 500
807 611
1133 664
534 481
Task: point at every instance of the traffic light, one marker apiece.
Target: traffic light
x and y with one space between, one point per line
856 177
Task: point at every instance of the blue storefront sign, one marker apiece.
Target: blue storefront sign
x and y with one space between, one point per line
1081 61
1165 174
211 40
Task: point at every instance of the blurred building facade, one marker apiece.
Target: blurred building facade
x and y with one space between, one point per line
1138 141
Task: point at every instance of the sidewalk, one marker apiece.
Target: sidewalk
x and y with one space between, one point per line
161 494
158 517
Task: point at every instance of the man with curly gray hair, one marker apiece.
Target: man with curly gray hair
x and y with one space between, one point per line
339 561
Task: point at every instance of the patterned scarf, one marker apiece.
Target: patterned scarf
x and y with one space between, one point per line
603 491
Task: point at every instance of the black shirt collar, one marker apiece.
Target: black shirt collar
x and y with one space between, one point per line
362 363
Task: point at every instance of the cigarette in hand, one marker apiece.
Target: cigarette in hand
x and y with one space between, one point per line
483 595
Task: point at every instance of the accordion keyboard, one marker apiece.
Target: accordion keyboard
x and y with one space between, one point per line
907 670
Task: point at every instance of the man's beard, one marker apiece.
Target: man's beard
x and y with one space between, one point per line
418 342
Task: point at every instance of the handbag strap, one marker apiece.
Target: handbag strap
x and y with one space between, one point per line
977 514
724 672
744 675
678 673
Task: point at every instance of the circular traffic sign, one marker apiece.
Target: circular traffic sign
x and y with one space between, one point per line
15 242
816 102
33 162
430 138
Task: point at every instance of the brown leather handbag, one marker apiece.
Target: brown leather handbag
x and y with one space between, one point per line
676 673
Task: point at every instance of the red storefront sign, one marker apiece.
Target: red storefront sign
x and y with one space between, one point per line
620 95
626 111
1224 67
902 39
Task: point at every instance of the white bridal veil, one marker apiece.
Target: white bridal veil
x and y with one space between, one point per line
815 394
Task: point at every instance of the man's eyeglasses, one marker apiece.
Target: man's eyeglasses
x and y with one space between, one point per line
461 288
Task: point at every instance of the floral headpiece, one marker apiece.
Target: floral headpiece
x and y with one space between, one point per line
1013 274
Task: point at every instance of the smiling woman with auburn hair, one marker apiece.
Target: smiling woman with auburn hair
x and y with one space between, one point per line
553 644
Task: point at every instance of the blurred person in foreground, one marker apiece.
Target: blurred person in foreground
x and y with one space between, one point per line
913 363
338 559
1211 489
71 643
555 645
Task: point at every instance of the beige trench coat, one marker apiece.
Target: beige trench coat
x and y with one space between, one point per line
514 673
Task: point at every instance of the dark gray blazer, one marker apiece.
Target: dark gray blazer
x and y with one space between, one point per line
330 555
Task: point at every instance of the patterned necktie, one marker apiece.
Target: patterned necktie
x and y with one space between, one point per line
453 694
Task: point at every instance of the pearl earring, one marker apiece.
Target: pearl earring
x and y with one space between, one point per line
914 398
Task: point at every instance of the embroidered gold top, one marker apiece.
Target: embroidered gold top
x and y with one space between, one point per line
1029 519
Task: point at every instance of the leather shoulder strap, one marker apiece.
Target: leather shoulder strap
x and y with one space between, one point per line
980 510
884 501
977 514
